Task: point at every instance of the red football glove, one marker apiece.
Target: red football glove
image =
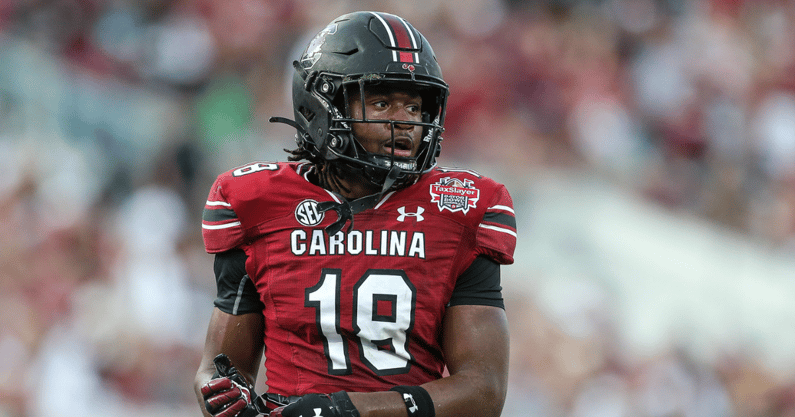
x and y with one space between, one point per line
228 394
226 398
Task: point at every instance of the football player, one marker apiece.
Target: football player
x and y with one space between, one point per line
368 275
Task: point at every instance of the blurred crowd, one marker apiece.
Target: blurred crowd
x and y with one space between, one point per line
116 115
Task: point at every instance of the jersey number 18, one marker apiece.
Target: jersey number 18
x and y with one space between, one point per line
383 314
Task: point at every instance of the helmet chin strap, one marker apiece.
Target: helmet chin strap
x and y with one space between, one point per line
347 209
293 123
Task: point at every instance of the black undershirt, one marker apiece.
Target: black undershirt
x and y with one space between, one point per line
478 285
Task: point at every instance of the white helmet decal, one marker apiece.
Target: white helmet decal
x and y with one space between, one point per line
312 53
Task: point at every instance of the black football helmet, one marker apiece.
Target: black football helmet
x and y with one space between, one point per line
354 51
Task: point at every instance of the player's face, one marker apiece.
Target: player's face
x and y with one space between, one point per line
388 104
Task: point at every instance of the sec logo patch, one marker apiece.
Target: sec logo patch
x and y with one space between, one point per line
307 214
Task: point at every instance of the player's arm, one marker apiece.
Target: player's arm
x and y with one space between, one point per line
235 329
240 338
476 347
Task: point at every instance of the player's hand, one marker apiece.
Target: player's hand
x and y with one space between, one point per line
224 397
228 394
318 405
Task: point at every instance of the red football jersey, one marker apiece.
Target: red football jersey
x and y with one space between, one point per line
360 310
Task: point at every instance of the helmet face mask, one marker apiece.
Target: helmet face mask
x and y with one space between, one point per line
350 56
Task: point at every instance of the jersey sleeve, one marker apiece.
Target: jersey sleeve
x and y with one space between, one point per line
496 233
221 227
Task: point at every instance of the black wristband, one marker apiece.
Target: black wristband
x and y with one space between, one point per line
344 405
418 401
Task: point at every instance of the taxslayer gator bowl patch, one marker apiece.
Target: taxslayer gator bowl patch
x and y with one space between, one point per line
454 194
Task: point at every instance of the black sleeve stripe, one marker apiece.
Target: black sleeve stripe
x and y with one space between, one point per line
501 218
217 215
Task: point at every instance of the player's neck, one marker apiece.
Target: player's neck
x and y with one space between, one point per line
350 186
356 188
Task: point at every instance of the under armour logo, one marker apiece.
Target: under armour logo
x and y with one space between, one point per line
403 214
408 397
